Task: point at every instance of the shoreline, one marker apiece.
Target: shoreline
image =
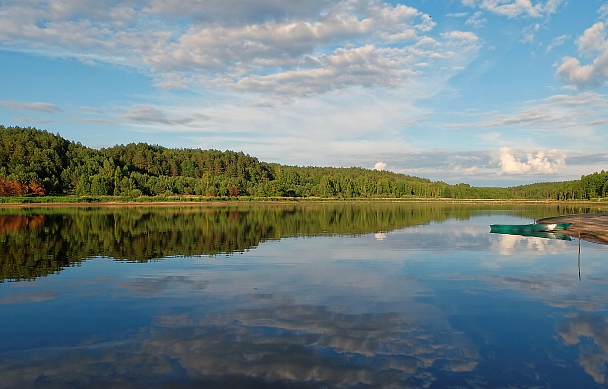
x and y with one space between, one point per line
195 201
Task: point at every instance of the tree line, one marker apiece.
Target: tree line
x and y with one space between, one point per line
36 163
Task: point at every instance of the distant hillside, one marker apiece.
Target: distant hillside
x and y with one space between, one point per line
36 162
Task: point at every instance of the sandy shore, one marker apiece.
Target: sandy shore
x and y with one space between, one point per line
592 227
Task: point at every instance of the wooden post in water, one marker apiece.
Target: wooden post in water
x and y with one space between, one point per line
579 256
579 246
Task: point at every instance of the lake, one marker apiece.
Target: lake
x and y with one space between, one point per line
296 295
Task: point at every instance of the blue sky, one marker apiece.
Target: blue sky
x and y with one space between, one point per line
488 92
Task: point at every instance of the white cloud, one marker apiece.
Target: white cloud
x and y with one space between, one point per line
32 106
586 112
237 11
146 114
361 66
91 110
603 11
477 20
530 33
457 15
593 39
539 162
172 81
380 166
282 48
557 41
551 6
461 35
515 8
31 120
592 42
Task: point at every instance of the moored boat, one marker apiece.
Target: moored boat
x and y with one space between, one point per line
517 228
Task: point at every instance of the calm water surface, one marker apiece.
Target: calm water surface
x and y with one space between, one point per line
300 296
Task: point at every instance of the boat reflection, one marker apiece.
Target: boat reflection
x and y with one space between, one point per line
537 234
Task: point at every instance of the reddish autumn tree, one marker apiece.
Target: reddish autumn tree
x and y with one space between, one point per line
12 188
35 189
233 191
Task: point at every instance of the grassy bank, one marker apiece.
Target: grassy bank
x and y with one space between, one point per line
100 200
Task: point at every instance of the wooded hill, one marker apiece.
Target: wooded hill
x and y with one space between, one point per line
36 162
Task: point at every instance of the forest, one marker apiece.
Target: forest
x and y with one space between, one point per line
35 162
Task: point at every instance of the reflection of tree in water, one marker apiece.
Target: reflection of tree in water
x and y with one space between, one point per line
38 242
9 223
286 345
593 355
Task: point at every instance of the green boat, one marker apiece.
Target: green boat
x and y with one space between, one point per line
519 228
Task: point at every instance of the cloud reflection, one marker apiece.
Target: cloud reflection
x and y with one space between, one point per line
289 344
151 286
506 244
590 332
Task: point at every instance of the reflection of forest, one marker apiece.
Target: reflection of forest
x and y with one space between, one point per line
38 242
